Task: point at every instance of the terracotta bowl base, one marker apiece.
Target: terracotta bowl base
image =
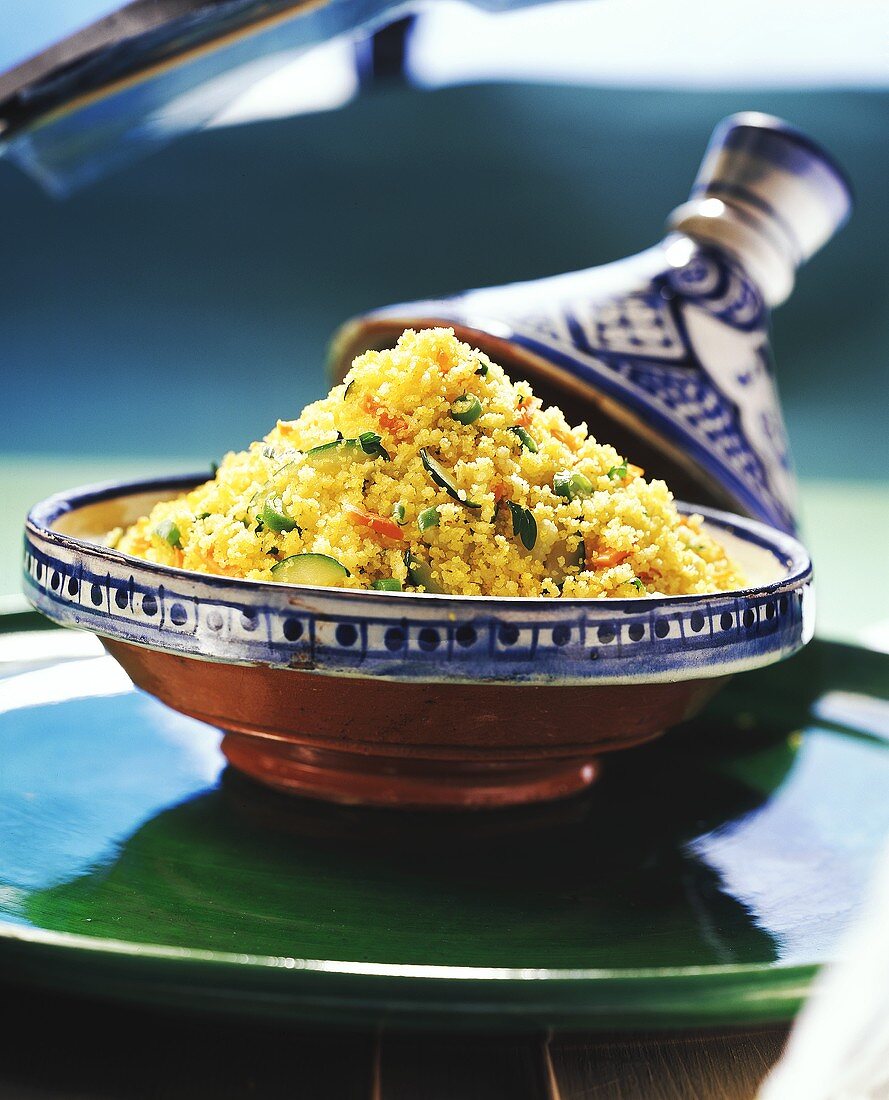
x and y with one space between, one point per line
359 779
411 744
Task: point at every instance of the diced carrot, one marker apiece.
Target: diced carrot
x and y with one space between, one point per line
392 423
379 525
500 490
444 361
604 559
523 415
565 437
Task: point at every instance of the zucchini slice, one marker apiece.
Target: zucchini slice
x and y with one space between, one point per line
419 573
440 477
317 569
339 452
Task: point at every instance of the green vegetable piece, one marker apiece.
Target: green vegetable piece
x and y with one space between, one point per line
170 533
275 518
316 569
618 473
203 515
575 560
524 525
440 477
527 440
427 518
387 584
572 486
346 390
637 584
334 455
419 573
371 444
482 370
466 409
398 514
579 554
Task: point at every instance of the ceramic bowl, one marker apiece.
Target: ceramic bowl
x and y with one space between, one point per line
405 699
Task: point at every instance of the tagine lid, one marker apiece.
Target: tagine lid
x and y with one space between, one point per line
666 354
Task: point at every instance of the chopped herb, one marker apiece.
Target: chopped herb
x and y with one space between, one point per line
524 525
386 584
466 409
427 518
398 514
572 486
440 477
637 584
371 444
170 533
618 473
482 370
203 515
527 441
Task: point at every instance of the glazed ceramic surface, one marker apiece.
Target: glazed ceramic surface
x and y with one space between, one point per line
76 581
411 700
666 354
700 882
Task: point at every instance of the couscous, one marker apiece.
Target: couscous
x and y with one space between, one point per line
429 470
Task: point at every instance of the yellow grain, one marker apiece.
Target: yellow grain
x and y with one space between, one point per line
405 395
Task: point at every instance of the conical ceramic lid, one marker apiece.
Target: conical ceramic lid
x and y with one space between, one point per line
666 354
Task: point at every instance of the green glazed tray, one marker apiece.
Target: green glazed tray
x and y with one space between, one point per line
701 881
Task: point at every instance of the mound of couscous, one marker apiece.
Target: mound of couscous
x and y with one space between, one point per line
429 470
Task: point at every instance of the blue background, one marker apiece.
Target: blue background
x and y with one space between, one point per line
182 305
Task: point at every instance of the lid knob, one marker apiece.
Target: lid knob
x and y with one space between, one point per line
768 194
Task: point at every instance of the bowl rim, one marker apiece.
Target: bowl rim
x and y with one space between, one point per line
786 548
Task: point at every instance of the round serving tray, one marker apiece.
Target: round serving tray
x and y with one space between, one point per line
701 881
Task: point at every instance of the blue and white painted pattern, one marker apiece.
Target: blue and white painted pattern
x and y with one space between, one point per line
677 335
416 637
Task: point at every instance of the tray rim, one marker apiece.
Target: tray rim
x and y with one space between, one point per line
416 996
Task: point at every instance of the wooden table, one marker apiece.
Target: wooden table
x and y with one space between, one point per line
62 1048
